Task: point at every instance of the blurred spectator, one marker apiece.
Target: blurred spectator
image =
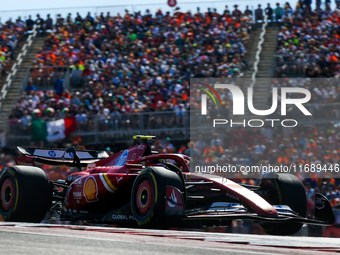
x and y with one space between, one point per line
200 144
30 87
258 14
248 12
13 124
49 23
3 136
278 12
76 75
168 146
40 22
59 85
78 18
236 12
269 12
59 21
308 49
29 23
25 122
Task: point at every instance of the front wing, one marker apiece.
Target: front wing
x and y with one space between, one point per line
230 211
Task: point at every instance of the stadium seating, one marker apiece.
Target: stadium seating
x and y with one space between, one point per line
308 43
11 35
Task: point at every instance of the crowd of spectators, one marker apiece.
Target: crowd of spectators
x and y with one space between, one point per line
134 63
277 146
308 42
323 90
11 34
325 97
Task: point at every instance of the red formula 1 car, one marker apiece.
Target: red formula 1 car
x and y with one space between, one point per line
139 186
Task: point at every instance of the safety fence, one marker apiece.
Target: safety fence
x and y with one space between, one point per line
99 128
303 65
43 78
96 129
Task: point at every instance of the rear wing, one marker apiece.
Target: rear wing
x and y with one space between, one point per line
58 154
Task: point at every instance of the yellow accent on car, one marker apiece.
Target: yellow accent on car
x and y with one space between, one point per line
109 182
148 137
154 180
16 195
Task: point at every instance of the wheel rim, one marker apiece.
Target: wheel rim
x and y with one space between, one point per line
7 194
144 197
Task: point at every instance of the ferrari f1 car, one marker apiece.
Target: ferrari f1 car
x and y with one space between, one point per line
139 186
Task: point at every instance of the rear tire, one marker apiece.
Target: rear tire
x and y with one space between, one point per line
25 194
148 198
284 189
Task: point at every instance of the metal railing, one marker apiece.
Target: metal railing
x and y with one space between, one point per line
294 68
100 128
289 69
321 113
43 78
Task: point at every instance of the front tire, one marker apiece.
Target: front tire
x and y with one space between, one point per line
25 194
148 198
284 189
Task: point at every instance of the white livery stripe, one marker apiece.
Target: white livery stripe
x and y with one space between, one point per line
105 184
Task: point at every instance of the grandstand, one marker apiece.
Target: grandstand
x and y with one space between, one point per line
87 53
118 75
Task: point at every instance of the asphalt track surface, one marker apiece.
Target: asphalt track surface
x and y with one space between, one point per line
21 238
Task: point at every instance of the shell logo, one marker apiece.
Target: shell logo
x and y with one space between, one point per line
90 189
